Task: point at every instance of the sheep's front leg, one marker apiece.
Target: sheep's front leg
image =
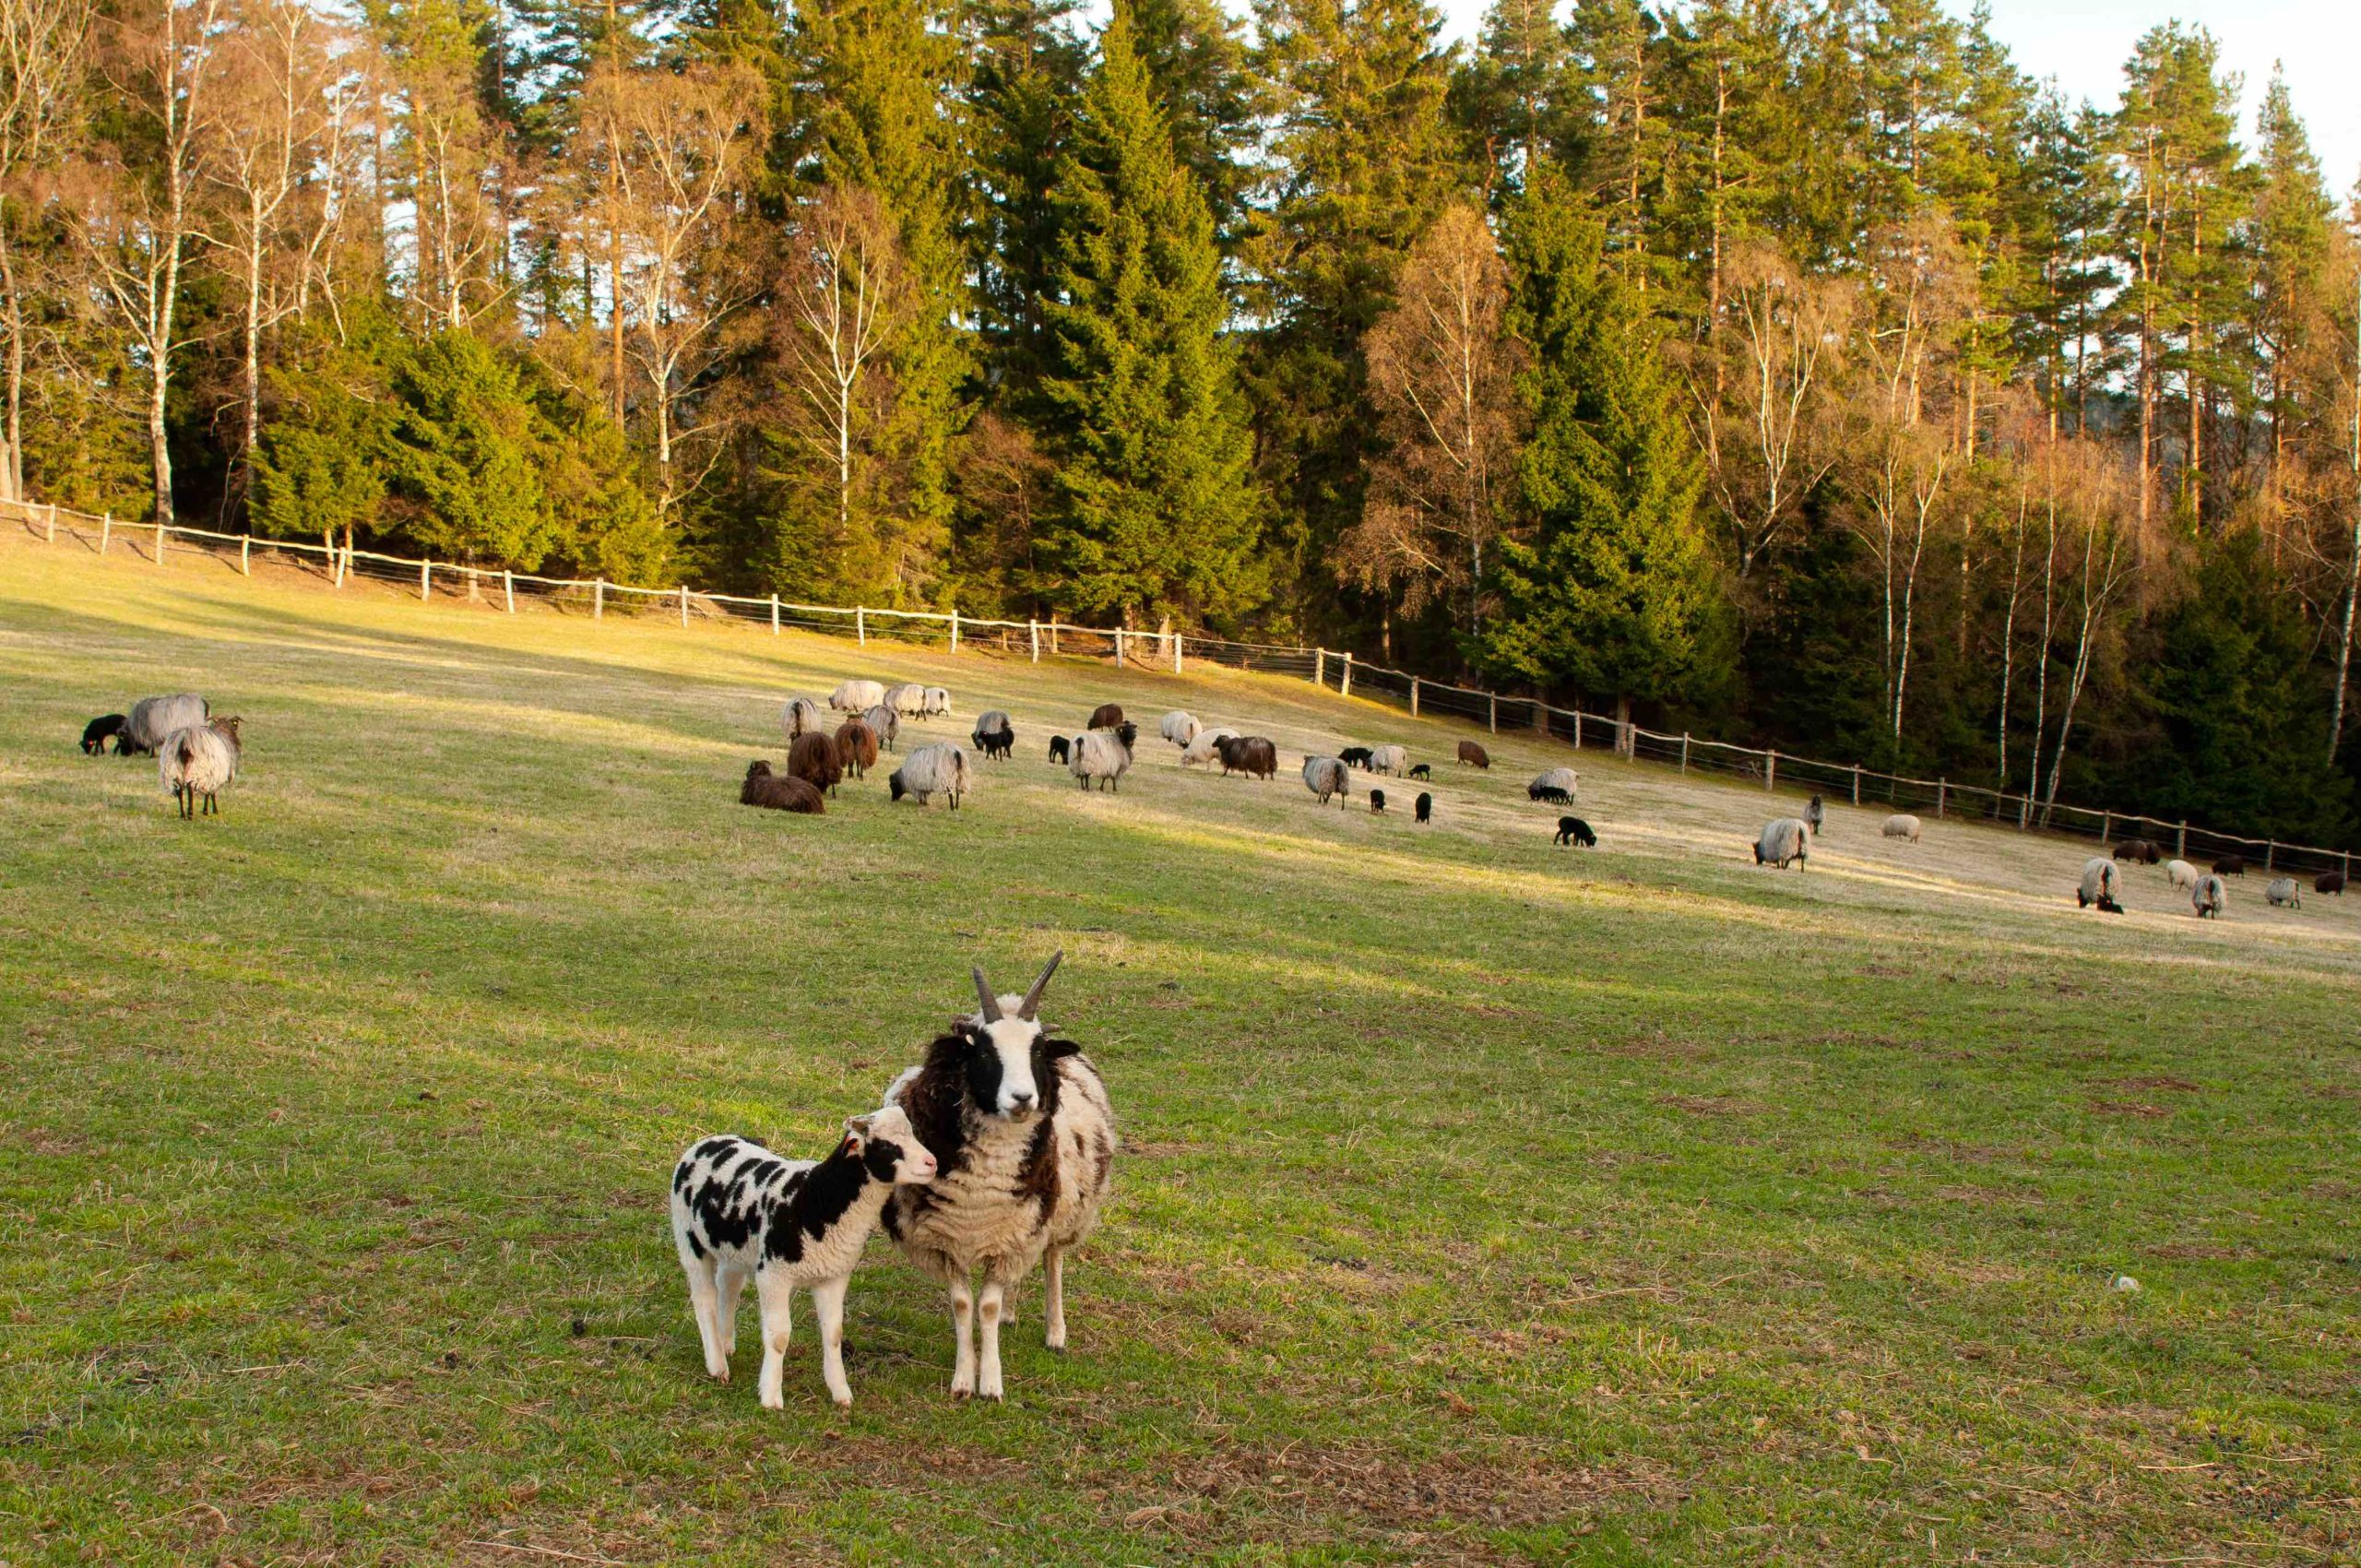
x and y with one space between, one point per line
963 1366
775 1297
1053 1299
988 1331
704 1302
828 1306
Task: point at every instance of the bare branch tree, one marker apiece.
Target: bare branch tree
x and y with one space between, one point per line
42 45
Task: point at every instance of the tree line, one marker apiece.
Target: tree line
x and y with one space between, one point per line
1795 371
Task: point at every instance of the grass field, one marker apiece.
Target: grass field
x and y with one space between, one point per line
1483 1202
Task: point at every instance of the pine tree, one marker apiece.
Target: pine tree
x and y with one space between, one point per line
1724 97
1518 96
1024 74
2290 246
1153 509
1615 594
1196 56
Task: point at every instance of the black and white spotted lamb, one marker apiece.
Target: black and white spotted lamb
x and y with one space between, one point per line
741 1212
1025 1136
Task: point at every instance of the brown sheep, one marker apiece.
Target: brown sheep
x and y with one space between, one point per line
813 758
780 793
1106 715
856 747
2330 882
1249 755
2144 851
1470 751
2230 865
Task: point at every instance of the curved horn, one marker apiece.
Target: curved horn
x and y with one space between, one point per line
1032 1002
984 994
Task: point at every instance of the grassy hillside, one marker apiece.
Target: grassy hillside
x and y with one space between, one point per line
1483 1201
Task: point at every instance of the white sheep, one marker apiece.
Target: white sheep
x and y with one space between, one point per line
885 724
2283 893
1783 840
1901 825
1200 752
2181 874
909 698
856 696
1179 727
152 718
935 703
1325 776
2211 896
1101 757
741 1212
197 763
801 717
1395 760
941 769
2102 886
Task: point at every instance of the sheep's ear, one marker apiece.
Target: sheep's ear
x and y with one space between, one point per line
857 1130
1032 1002
984 995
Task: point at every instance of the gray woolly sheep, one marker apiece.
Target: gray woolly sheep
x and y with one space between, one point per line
1325 776
1102 756
908 698
2211 898
1903 826
1558 785
1815 815
1783 840
801 717
196 763
885 724
936 703
994 736
1395 760
938 769
2101 886
152 718
2181 874
1205 748
856 696
2282 894
1179 727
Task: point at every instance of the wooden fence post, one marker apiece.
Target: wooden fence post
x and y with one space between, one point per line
106 530
1176 653
1684 751
1857 783
774 615
508 588
1414 696
599 599
245 551
861 624
1345 689
1943 792
1770 771
425 579
684 604
2180 840
955 629
1578 729
53 524
1033 634
2270 849
1496 716
2106 826
1119 647
1320 668
159 544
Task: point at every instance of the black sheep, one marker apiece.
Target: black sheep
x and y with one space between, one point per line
1815 814
2330 882
2230 865
1551 793
1426 806
1060 749
1354 756
100 730
1422 771
1376 801
1574 829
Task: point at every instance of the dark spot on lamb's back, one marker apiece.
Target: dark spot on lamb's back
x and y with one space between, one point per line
761 1170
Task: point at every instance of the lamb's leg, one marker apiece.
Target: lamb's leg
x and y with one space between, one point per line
828 1306
775 1297
729 1284
1053 1298
963 1366
988 1331
701 1304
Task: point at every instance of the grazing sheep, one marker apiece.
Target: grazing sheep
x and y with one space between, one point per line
1557 785
1469 751
195 765
1574 829
993 735
885 724
1901 825
856 696
907 699
2230 865
1395 760
1354 756
152 718
1783 842
2139 851
1422 771
813 759
1814 815
1327 776
2100 885
1425 806
779 792
2180 873
2211 898
801 717
1103 756
1179 727
938 769
1025 1137
1249 755
936 703
741 1212
1106 715
2330 882
857 747
100 730
1206 747
1377 803
2282 893
1060 749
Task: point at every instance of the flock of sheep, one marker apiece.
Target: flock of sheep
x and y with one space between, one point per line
196 754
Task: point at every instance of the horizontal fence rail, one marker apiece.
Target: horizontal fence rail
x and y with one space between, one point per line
1175 650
